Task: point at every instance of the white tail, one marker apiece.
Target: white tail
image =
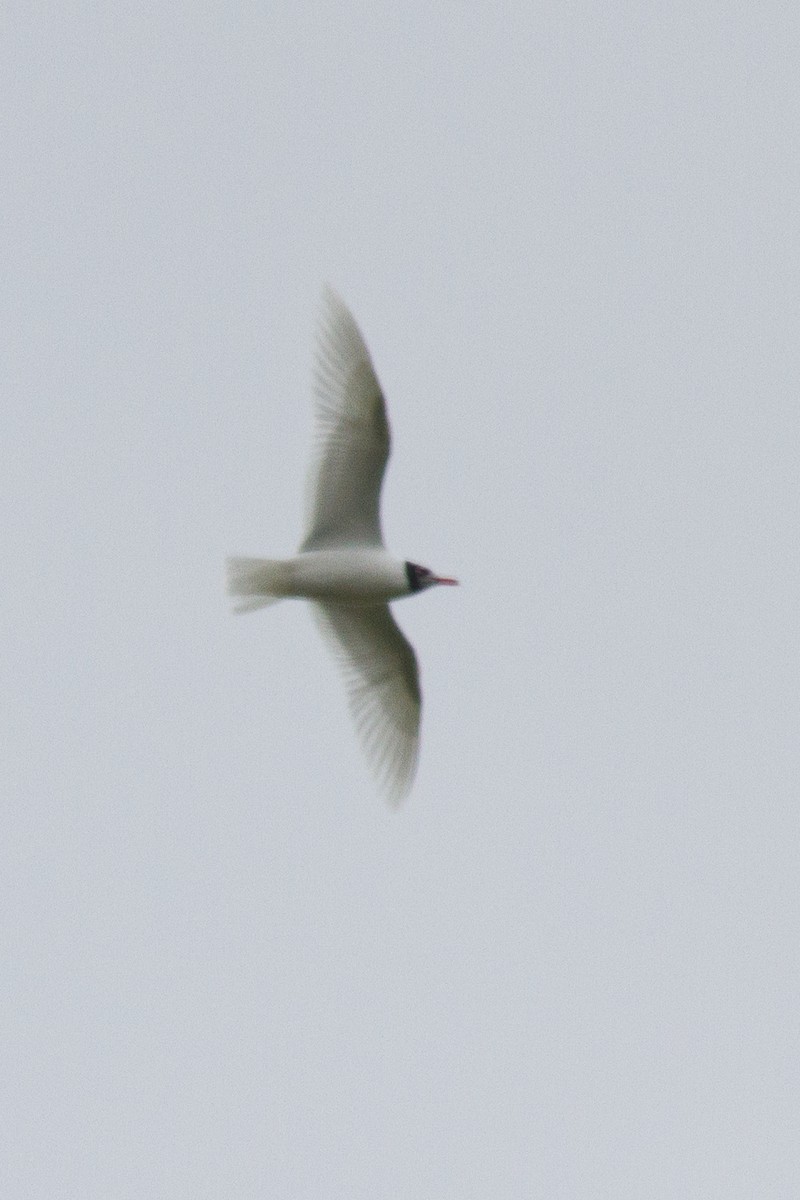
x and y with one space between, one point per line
258 581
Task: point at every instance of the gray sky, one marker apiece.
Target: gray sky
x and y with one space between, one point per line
568 967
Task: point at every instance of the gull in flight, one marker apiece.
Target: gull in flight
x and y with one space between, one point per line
342 565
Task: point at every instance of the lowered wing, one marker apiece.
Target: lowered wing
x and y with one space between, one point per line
382 681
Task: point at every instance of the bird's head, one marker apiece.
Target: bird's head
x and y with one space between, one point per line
421 577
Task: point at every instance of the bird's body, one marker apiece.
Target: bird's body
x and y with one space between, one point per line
359 575
342 565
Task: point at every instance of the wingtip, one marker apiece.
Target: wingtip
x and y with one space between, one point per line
330 296
332 311
395 792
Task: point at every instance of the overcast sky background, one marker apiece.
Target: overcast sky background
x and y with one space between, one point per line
568 966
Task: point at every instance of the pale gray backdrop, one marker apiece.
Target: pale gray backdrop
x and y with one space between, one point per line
568 967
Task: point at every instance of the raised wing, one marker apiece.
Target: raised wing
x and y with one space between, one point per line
351 437
380 672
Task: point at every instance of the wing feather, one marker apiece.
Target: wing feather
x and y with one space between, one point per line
352 439
382 681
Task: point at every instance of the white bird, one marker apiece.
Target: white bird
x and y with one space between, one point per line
342 565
